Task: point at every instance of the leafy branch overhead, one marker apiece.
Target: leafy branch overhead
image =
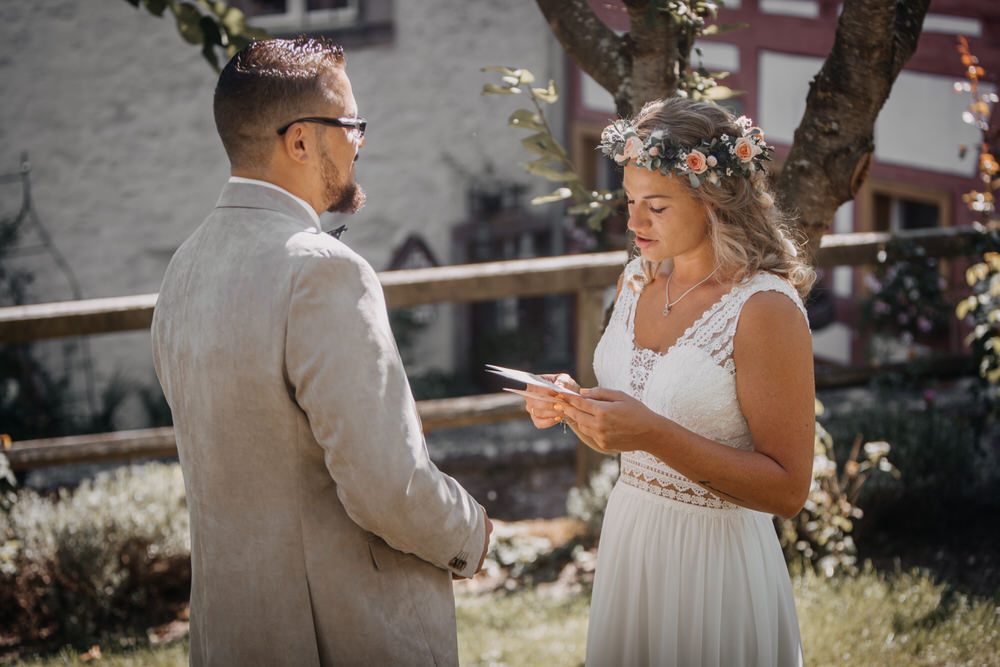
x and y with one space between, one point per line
214 26
553 161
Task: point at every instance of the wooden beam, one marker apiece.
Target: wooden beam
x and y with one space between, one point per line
21 324
159 442
863 248
461 283
458 284
434 414
495 280
589 327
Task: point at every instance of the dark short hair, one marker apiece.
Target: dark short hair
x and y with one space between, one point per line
267 84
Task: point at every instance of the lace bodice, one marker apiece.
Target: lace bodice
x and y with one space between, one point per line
693 383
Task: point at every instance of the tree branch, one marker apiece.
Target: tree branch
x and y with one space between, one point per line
588 42
654 46
834 142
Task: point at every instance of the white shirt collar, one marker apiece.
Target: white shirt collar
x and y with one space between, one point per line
266 184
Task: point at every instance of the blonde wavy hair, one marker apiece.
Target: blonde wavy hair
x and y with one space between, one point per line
749 234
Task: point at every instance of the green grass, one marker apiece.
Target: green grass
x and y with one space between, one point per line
116 655
522 628
904 618
900 618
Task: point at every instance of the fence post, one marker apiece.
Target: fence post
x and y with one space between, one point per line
589 323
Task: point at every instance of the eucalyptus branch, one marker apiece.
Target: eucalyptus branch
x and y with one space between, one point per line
597 205
208 24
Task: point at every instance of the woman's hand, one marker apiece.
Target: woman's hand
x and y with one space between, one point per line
542 410
609 421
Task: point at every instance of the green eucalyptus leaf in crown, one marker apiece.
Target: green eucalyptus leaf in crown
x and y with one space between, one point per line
710 160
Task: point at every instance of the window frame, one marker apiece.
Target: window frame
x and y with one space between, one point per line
298 18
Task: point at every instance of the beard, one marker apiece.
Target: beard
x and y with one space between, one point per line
346 198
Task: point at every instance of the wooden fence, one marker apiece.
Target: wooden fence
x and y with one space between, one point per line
586 276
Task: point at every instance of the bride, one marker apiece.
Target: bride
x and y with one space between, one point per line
706 389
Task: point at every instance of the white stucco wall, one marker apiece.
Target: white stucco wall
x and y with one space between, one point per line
115 112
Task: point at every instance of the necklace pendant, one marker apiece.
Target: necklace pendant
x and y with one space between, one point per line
666 310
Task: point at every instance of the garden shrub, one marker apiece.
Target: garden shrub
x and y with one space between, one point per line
113 551
821 537
588 503
937 448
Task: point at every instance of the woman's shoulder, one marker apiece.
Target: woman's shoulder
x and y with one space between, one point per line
769 299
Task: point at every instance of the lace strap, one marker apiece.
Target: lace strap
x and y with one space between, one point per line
717 332
632 283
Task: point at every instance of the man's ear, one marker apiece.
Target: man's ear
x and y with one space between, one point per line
297 143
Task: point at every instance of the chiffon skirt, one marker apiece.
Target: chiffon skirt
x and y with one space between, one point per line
680 584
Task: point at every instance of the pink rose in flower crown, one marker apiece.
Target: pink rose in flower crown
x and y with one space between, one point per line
746 149
696 162
633 148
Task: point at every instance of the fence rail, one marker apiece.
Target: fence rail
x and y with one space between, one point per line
587 276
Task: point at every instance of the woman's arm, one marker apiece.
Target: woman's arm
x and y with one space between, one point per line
775 388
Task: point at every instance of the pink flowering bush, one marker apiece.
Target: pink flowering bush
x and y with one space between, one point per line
907 299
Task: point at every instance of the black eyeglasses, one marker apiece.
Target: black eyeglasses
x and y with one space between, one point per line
358 124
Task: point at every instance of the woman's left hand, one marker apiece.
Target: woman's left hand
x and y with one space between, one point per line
610 421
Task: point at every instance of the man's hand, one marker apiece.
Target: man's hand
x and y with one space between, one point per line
486 547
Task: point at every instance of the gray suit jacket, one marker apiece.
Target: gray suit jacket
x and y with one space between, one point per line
321 532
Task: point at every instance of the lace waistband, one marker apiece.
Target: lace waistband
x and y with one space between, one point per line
665 483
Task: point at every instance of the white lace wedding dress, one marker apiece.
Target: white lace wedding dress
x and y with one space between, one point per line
684 578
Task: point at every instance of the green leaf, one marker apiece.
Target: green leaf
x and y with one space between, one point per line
543 144
188 17
503 70
155 7
540 168
720 93
550 94
211 37
965 306
524 76
493 89
526 119
232 19
716 29
558 195
582 209
210 31
596 219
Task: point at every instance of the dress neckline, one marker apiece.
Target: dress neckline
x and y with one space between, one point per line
708 312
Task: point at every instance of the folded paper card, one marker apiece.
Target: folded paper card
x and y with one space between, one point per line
528 378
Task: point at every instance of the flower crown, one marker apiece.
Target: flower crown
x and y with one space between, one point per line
711 160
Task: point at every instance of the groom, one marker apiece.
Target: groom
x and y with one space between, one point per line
321 533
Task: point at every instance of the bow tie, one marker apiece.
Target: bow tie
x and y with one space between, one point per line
335 233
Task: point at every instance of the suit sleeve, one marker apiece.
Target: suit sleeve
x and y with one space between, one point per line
347 376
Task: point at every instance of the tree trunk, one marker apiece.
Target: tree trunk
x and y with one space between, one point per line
834 142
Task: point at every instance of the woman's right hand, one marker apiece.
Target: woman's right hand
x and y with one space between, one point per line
543 414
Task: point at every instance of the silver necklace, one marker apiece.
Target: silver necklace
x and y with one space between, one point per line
670 305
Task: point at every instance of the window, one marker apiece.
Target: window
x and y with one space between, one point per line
299 15
886 206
